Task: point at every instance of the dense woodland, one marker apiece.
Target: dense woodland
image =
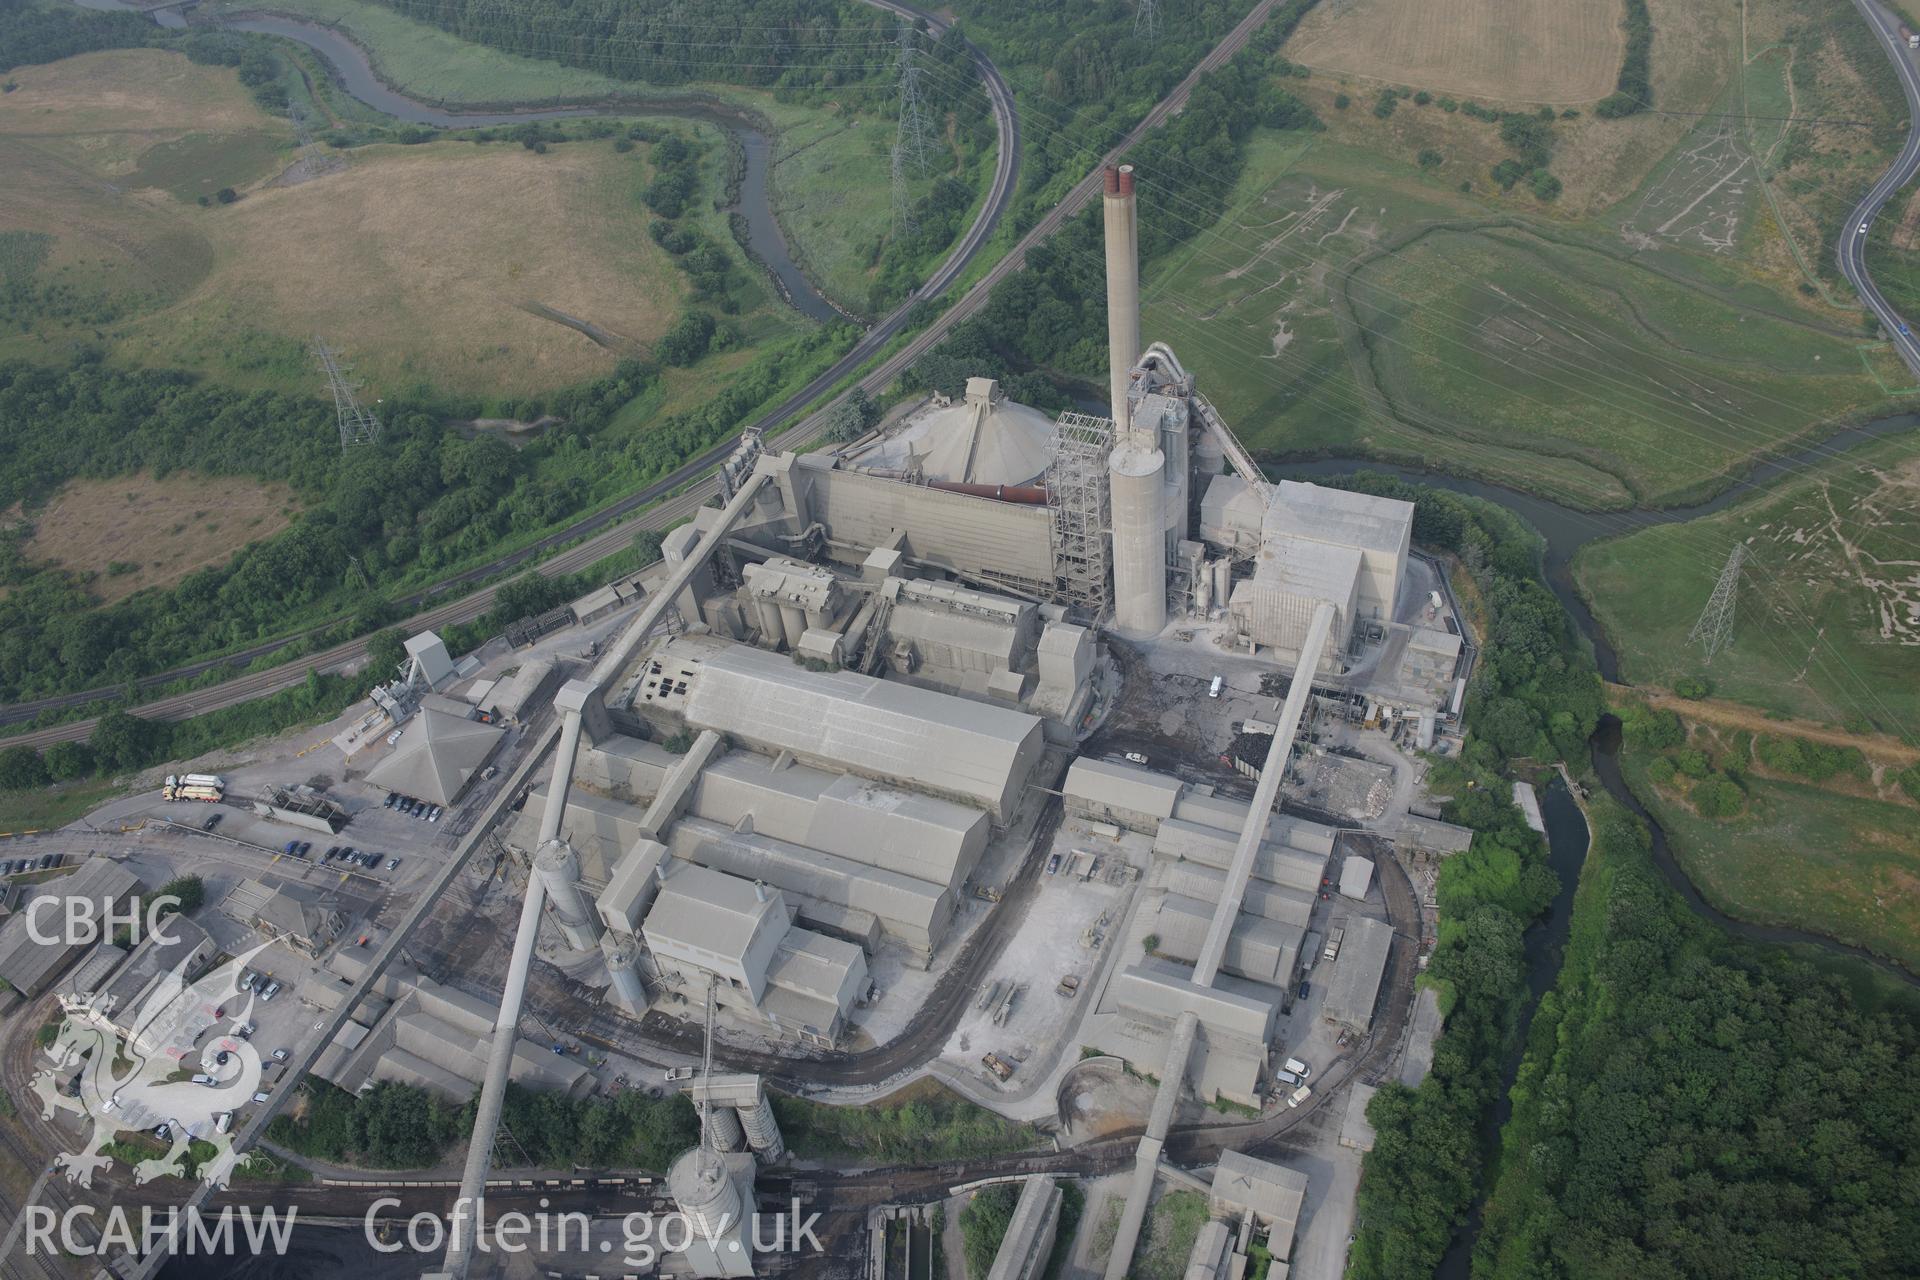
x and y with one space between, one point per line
1692 1105
1536 695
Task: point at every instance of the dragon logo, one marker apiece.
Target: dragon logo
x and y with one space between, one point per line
145 1078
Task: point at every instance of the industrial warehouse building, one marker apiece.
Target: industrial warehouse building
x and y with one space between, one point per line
30 966
1355 986
411 1030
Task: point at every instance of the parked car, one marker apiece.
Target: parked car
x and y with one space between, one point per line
393 798
213 820
1306 989
281 1055
1299 1095
245 1030
1136 757
1053 864
203 1079
223 1122
1299 1068
272 990
433 814
46 859
393 864
289 847
306 847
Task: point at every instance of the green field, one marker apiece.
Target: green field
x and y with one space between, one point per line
1828 619
51 807
1346 303
1835 862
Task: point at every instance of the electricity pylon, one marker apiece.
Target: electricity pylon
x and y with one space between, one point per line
1714 630
915 139
357 425
1146 19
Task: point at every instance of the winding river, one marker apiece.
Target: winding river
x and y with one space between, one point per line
1567 530
353 71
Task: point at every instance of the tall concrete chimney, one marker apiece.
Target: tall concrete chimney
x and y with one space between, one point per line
1136 465
1123 289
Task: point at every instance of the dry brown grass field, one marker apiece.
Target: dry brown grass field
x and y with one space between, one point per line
106 109
425 264
1551 51
142 531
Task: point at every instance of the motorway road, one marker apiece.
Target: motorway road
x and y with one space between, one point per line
608 535
1852 250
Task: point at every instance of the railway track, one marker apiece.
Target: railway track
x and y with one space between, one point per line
691 485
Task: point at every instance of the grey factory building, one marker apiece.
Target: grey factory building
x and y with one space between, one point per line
30 965
412 1030
1194 837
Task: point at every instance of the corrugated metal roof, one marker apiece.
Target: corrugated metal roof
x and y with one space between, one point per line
1273 1192
1122 786
875 727
710 912
1355 984
436 756
1338 515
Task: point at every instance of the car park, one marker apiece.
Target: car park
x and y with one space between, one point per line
47 859
393 798
333 851
289 847
1053 864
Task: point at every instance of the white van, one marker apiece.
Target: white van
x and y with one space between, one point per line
1213 690
1299 1068
1287 1078
224 1122
1299 1095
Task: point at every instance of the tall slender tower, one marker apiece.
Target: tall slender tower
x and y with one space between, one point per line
1136 466
1123 288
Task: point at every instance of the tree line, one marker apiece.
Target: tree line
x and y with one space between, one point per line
1695 1105
401 1126
1535 695
1633 91
1050 319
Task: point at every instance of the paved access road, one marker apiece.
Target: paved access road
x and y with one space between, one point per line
467 607
693 481
1852 250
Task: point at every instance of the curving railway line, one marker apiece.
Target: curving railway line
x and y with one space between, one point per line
690 486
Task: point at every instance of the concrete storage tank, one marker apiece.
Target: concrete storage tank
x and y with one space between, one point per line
699 1184
1134 473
